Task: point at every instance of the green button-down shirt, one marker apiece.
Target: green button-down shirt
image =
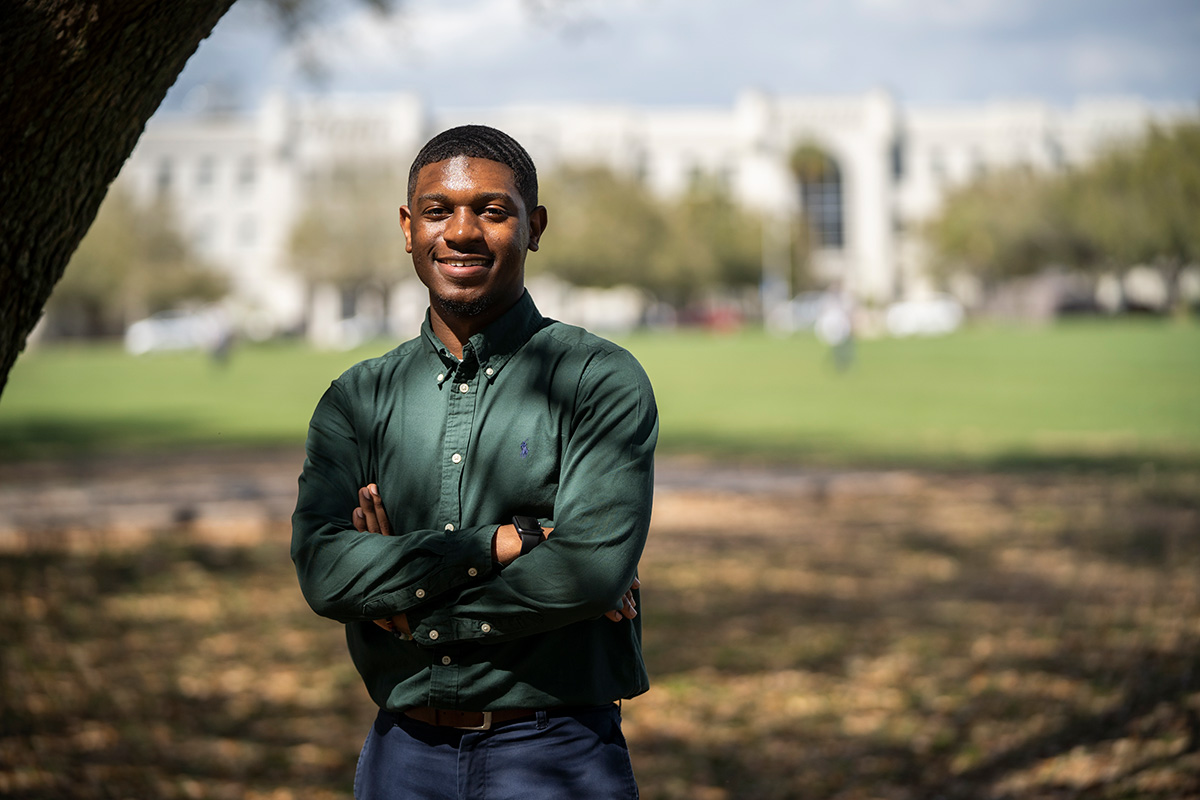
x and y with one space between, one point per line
538 418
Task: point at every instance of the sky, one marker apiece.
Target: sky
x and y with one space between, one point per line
928 53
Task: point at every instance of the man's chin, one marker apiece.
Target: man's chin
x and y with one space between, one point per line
469 306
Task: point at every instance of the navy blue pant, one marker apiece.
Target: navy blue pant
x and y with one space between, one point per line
553 757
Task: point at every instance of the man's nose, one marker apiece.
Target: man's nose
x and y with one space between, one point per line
463 226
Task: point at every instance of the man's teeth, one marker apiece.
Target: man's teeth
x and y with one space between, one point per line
469 262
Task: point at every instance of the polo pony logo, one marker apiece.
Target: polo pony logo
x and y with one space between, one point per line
525 449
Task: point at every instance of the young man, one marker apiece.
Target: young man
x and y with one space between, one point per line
507 459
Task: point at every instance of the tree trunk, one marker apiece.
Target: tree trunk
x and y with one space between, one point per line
81 77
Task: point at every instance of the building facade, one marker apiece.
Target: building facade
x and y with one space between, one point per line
863 170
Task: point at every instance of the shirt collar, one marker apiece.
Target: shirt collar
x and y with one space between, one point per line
496 344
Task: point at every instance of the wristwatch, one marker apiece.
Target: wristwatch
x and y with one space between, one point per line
530 531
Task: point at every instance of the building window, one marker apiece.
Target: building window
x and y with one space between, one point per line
205 172
820 182
247 173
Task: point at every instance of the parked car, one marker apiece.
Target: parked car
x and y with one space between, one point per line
177 330
929 316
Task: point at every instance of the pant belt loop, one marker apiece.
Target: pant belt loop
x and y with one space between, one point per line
543 720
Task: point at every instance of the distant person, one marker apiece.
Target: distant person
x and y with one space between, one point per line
507 461
835 327
222 342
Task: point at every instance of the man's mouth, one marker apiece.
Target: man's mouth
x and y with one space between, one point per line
464 267
462 263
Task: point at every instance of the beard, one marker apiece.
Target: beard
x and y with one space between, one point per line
465 308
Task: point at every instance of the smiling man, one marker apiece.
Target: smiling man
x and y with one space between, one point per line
473 507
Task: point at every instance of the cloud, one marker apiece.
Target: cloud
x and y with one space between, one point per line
491 52
953 14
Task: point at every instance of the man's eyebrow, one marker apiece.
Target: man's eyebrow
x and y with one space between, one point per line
439 197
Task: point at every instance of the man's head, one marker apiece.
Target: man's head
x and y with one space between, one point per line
470 221
479 141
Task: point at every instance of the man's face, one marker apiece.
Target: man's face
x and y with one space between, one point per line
468 231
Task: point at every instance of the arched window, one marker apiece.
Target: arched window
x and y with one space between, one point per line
820 194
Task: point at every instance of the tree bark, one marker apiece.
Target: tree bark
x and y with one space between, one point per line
81 79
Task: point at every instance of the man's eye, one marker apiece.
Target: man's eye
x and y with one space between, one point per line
495 212
436 211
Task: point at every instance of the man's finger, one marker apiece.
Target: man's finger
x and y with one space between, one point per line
380 514
359 519
367 506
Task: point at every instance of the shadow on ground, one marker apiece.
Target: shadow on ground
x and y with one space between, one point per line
954 636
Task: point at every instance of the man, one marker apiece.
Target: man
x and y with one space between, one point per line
496 655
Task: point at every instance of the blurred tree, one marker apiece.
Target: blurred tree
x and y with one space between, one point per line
1141 205
1134 205
1002 225
608 229
81 77
132 262
348 234
731 234
605 228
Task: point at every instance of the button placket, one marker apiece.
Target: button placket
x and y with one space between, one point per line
460 415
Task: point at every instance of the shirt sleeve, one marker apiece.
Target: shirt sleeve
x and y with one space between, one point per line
351 576
602 516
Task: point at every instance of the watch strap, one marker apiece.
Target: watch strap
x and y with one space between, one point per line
530 541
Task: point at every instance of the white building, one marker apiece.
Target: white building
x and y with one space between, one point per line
237 182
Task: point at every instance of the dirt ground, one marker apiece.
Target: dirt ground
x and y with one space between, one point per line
816 634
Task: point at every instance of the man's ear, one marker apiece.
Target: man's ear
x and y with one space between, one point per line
406 226
537 226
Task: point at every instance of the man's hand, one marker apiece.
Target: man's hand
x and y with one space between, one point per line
506 548
628 608
370 517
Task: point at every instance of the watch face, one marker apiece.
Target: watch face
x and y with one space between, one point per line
527 524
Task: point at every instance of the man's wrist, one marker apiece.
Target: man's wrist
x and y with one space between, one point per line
506 545
530 530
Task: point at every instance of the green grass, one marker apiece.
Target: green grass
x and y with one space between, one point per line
1087 392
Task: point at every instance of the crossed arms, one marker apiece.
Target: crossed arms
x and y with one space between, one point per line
371 517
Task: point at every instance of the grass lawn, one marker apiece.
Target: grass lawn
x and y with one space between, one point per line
1088 392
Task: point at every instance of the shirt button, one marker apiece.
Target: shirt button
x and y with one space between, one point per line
446 661
464 388
456 458
419 593
490 372
433 634
472 572
441 377
449 527
485 628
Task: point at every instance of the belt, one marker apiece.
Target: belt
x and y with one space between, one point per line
486 720
467 720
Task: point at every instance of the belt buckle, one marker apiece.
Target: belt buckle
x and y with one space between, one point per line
487 723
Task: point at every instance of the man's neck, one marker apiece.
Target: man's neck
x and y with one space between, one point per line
454 331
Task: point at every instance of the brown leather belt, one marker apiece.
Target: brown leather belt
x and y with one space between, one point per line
467 720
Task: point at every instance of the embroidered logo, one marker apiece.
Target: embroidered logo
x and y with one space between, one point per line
525 449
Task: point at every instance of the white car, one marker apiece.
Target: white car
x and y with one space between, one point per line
176 330
931 316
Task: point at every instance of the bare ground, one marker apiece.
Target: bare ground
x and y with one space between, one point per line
809 634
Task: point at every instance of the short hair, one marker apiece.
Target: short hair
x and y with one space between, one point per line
480 141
